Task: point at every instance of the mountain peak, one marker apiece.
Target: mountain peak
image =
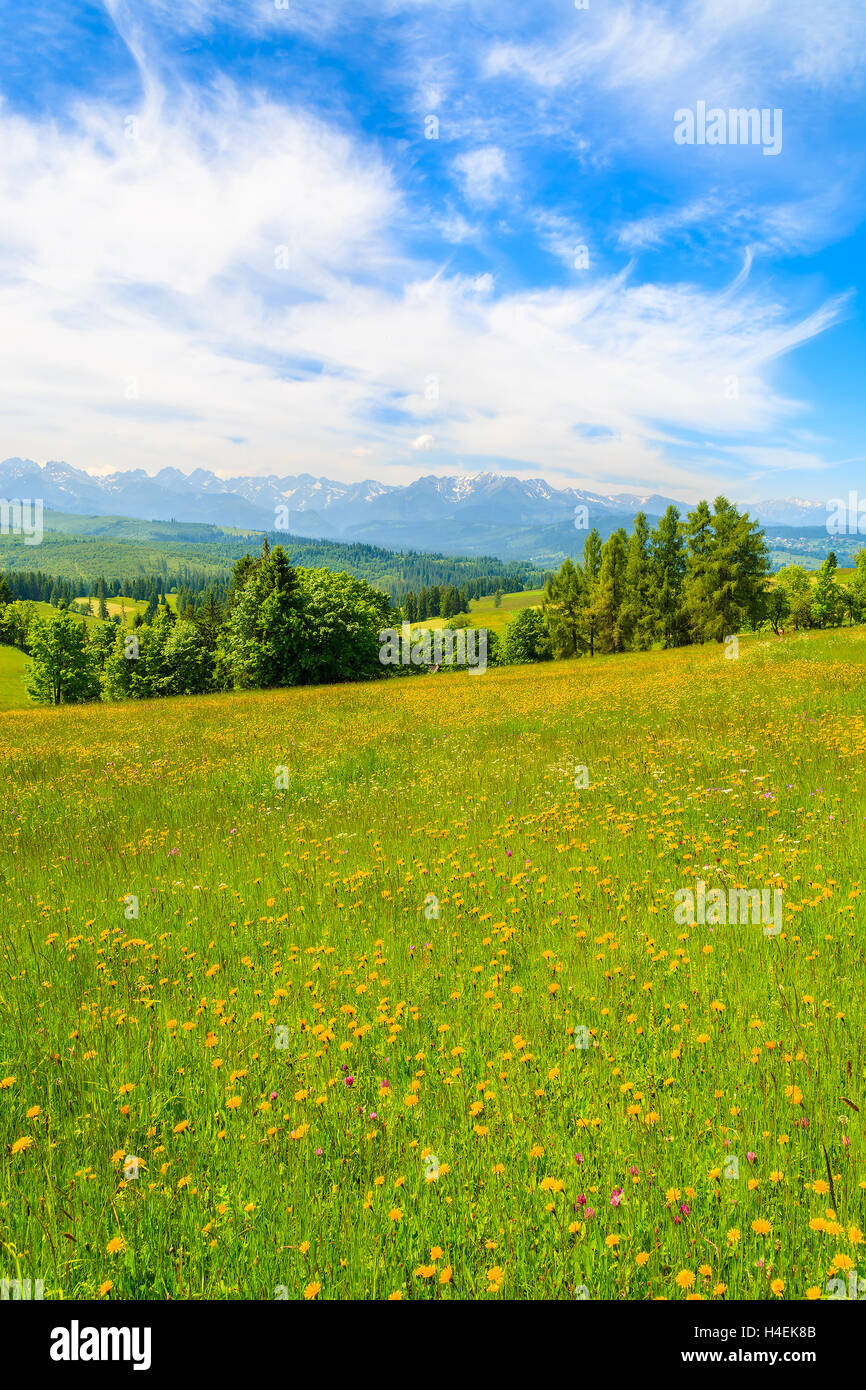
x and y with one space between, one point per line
481 513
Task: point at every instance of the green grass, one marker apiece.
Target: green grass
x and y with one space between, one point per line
13 679
401 884
122 604
484 613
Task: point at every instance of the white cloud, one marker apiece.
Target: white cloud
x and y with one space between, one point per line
647 44
656 228
483 173
153 262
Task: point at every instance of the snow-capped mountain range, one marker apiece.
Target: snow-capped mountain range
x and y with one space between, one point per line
475 513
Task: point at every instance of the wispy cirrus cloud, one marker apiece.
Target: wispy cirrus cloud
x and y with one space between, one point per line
225 272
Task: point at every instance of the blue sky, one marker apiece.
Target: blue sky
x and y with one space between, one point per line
226 241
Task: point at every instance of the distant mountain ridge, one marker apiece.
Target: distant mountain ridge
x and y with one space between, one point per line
468 514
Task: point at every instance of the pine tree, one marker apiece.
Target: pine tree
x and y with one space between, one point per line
637 615
739 566
668 565
592 557
609 594
563 608
827 597
698 583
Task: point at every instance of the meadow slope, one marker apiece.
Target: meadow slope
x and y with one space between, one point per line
352 975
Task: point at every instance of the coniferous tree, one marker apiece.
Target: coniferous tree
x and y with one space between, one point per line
592 548
827 602
637 610
668 560
564 606
698 582
606 602
739 567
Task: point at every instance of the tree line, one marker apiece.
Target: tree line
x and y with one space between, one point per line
442 601
402 575
278 626
694 579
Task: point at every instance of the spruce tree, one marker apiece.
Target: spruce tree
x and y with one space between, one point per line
563 609
637 615
607 599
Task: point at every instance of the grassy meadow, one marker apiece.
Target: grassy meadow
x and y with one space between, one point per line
14 674
483 612
339 1035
